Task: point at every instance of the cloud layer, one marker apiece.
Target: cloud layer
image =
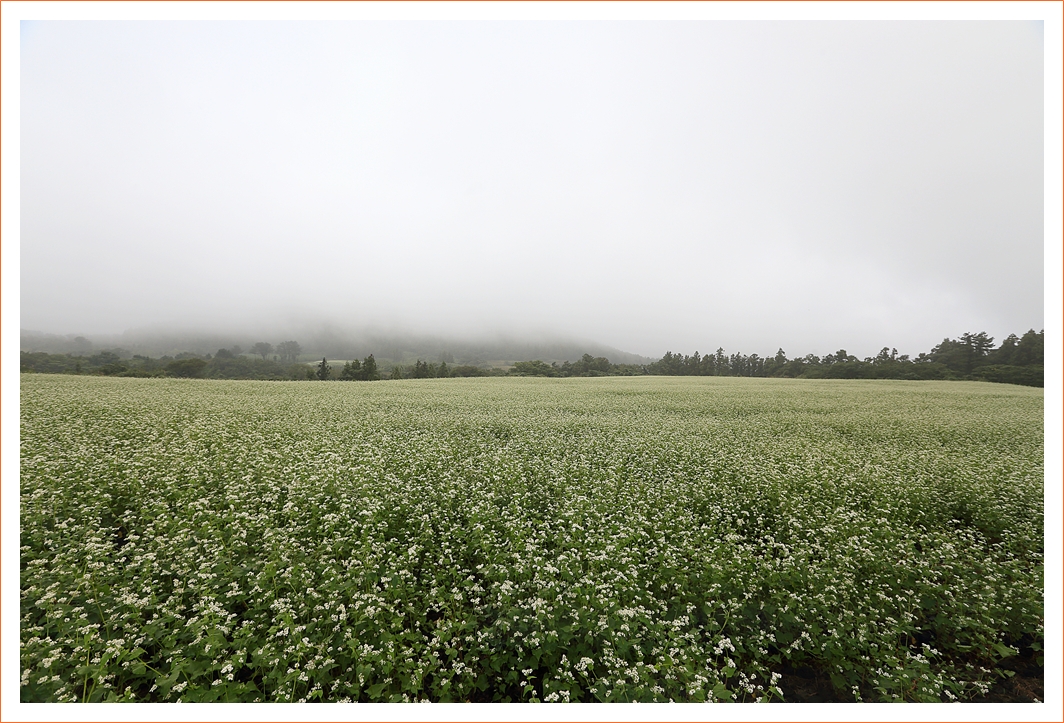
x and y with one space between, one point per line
650 185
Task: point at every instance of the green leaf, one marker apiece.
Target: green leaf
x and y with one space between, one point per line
1004 650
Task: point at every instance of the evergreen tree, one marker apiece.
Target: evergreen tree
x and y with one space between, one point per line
720 362
369 369
352 371
421 370
1031 349
1006 353
323 370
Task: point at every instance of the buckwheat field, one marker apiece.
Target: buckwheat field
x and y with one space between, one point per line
516 539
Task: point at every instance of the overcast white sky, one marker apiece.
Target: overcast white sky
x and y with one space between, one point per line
650 185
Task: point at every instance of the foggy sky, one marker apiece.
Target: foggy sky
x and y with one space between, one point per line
650 185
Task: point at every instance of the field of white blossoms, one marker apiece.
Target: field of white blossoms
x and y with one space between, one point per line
613 539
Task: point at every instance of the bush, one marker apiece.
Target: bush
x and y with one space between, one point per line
187 368
1032 376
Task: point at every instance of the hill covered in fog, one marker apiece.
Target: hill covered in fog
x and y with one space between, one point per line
317 341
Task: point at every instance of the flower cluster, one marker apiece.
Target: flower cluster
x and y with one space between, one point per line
612 539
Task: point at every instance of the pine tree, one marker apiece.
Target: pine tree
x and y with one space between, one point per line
324 370
369 369
352 370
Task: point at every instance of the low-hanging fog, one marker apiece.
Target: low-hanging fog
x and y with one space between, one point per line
647 185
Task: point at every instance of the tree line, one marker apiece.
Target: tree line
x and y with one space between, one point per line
276 363
1018 360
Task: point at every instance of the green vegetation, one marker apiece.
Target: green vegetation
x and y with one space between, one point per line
586 366
972 357
365 371
223 365
609 539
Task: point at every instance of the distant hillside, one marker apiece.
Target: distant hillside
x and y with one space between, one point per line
336 344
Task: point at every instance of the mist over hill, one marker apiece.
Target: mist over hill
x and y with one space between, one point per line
655 186
337 343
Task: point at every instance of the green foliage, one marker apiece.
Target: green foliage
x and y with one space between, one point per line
422 370
427 370
289 350
352 371
222 366
965 354
365 370
1030 376
521 539
262 348
324 371
966 358
369 369
1017 361
186 368
240 367
466 370
1030 350
535 368
586 366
